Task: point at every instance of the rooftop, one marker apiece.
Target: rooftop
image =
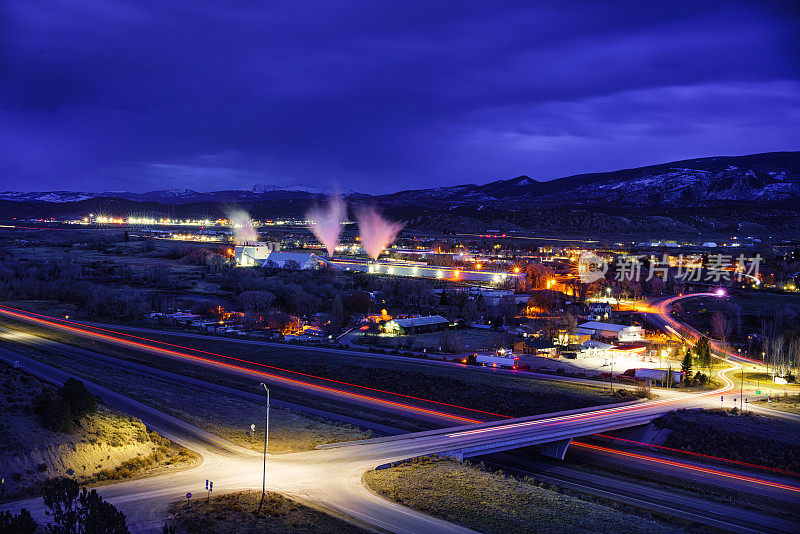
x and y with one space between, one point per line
421 321
596 325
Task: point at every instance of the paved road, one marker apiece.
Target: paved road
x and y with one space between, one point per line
659 499
331 476
364 355
104 360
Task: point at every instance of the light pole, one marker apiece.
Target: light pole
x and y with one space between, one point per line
612 373
741 384
266 438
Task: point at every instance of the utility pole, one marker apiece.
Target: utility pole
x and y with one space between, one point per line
266 438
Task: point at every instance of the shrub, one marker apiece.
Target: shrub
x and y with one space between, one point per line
78 398
53 411
57 409
76 510
21 523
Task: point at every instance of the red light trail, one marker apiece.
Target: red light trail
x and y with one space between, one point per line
50 321
706 470
699 455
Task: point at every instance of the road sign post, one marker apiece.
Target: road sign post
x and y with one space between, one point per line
188 496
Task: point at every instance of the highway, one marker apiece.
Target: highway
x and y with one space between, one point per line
570 474
331 476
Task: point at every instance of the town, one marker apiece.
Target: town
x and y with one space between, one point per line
441 267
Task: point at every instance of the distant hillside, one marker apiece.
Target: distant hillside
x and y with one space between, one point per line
755 194
763 178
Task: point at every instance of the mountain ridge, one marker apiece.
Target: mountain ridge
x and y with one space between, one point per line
755 178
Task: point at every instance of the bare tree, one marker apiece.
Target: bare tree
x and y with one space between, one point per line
721 326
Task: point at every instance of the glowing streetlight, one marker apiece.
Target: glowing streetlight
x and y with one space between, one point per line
720 292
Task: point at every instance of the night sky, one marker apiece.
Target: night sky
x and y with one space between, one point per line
379 96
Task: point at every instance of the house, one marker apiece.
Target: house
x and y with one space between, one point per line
613 331
416 325
536 347
600 310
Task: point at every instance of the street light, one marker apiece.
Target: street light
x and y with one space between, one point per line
266 437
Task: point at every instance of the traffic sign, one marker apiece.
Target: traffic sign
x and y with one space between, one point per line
188 495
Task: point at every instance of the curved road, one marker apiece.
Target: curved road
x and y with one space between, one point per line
332 476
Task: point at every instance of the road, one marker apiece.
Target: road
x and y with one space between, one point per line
332 476
570 474
660 315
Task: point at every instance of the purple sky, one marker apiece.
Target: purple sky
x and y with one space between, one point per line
379 96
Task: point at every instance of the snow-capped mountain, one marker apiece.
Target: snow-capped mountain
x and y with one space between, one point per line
46 196
760 178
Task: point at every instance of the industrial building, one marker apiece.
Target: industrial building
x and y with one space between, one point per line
617 331
253 252
421 270
269 255
416 325
536 347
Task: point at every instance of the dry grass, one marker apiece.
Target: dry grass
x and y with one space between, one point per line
783 403
227 416
240 513
498 504
106 445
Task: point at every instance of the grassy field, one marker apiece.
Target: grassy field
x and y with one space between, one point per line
499 392
106 445
240 513
783 403
467 339
498 504
745 437
224 415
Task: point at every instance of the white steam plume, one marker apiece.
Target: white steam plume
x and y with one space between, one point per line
242 227
326 222
376 232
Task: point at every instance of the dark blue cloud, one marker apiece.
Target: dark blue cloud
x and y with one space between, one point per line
378 96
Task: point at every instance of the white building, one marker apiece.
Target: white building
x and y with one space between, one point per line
269 255
253 253
298 260
618 331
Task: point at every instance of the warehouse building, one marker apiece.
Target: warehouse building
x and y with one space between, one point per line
416 325
613 331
